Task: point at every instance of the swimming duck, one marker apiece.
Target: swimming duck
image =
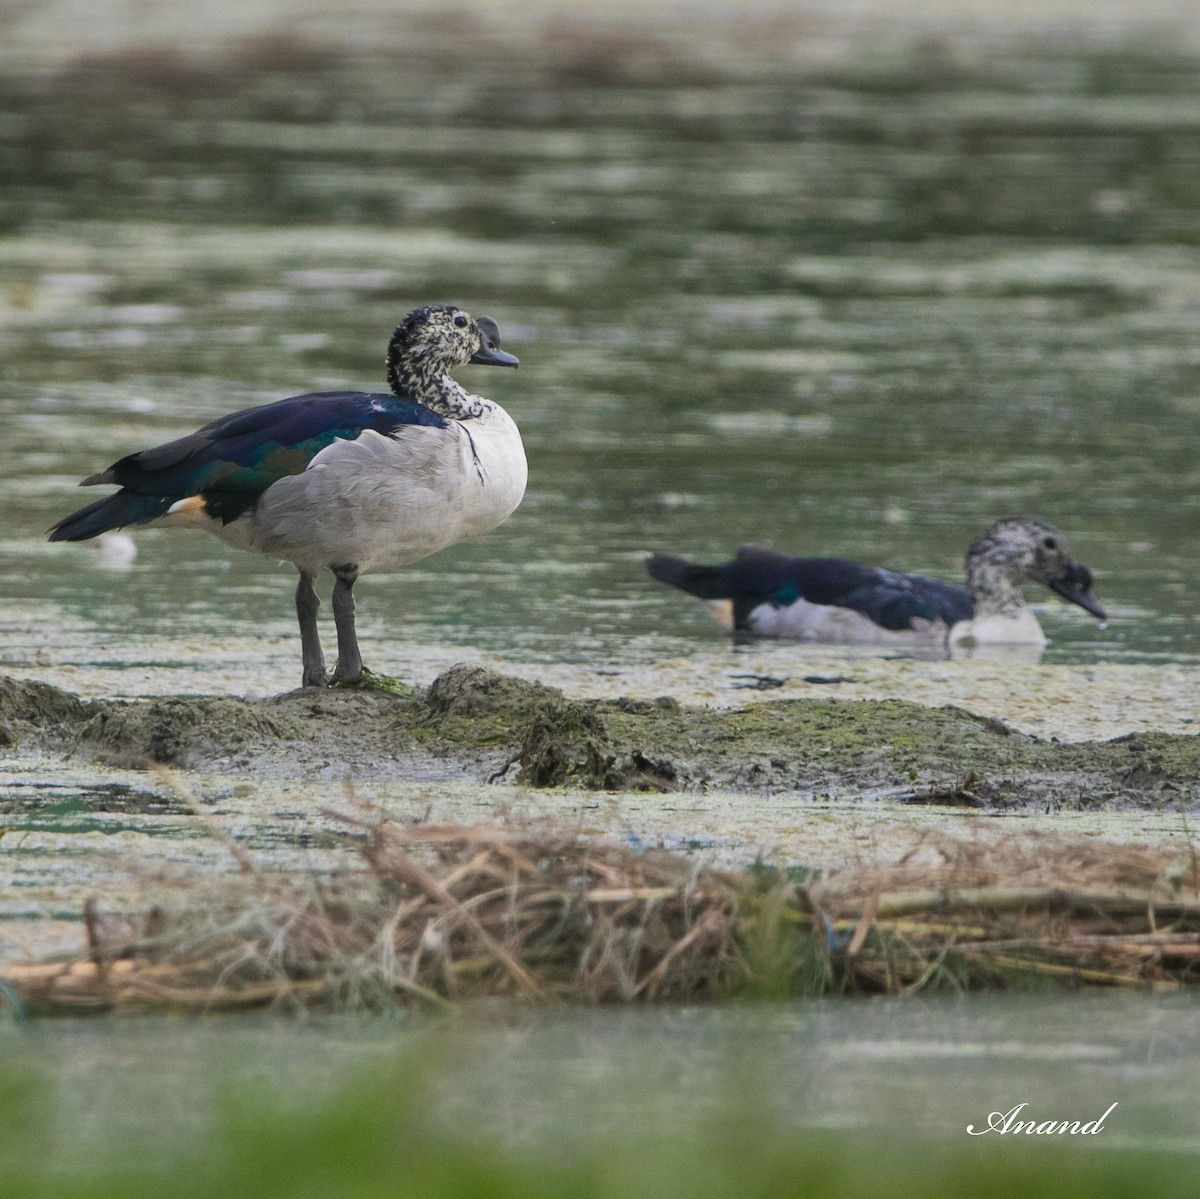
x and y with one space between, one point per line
766 594
345 481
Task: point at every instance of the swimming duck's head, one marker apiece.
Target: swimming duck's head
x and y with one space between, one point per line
432 340
1025 549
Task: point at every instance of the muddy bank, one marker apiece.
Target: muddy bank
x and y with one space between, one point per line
477 725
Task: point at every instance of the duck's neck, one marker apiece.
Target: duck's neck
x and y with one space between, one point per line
416 380
993 588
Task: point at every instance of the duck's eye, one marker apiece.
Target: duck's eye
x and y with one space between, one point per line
1050 543
460 321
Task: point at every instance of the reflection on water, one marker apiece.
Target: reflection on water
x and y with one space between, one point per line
862 309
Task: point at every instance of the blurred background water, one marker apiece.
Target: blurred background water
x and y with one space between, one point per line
859 303
560 1081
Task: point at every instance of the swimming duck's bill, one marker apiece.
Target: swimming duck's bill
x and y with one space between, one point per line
488 357
1075 585
489 352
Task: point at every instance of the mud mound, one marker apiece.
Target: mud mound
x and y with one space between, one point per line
168 731
28 706
569 744
475 724
475 691
559 741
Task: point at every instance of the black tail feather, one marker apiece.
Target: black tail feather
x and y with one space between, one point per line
704 582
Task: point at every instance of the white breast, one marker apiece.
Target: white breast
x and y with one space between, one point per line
1017 628
385 501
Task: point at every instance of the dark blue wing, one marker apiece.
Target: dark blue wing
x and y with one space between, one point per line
892 599
232 460
247 451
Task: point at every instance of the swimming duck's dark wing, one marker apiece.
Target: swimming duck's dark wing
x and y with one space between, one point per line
232 460
892 599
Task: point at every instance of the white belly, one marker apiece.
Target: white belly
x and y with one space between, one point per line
826 623
803 621
382 501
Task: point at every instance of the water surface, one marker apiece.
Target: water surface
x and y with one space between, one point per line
864 310
558 1082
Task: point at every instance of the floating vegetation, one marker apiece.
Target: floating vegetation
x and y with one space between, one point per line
444 915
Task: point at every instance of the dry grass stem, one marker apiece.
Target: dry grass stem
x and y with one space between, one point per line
448 914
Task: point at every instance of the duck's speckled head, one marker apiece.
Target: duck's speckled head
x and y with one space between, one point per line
1024 549
432 340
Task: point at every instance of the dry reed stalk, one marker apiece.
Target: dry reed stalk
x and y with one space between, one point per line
183 792
975 914
448 913
406 869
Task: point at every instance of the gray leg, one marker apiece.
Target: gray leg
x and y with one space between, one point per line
349 663
307 604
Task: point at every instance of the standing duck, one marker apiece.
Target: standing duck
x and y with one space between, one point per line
345 481
766 594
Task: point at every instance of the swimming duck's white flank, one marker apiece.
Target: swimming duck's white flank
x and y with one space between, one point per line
766 594
340 481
